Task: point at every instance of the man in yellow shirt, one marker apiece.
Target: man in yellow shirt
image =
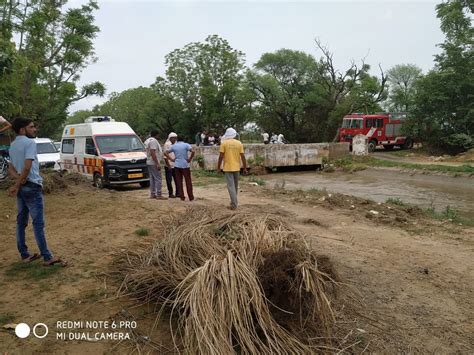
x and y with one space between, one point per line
231 152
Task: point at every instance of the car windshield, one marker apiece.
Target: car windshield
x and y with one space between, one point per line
118 144
352 123
46 148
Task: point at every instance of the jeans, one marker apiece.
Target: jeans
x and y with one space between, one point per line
170 176
155 181
186 173
232 179
30 201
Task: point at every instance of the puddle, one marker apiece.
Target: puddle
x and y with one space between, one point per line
379 185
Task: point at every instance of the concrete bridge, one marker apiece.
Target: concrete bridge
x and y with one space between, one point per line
276 155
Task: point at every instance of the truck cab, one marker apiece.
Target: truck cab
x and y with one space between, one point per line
380 129
108 152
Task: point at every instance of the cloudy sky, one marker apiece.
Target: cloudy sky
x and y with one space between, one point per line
136 35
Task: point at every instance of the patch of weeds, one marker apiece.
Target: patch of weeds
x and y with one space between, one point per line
206 173
142 232
449 214
260 182
32 270
199 159
6 318
396 201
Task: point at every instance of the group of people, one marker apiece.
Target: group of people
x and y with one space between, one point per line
273 138
207 139
177 156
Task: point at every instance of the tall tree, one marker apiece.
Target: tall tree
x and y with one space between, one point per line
444 115
206 79
46 50
402 79
306 98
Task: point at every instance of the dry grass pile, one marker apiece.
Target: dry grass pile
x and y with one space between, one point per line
236 282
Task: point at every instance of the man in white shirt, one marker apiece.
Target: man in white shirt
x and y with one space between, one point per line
266 138
153 156
169 168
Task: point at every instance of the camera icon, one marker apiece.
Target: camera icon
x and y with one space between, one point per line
23 330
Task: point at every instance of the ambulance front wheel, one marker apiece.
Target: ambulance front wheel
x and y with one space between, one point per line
99 181
144 183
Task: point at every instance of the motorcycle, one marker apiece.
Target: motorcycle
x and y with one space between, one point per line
4 160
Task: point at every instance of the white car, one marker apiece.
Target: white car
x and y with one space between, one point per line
48 155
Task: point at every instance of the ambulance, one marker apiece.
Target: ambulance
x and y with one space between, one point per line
108 152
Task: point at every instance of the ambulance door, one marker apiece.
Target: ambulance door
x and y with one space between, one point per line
91 159
67 160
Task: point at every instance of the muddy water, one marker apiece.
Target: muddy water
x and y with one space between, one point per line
379 185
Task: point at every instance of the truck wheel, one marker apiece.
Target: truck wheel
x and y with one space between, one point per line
99 181
372 146
145 184
388 147
408 144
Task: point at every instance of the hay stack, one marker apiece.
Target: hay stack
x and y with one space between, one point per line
236 282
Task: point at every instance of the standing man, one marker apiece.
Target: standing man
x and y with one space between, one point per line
266 138
153 156
181 167
232 152
169 168
6 125
28 189
197 139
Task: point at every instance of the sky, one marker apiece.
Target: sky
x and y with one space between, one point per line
136 35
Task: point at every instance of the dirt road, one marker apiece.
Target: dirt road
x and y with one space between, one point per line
414 277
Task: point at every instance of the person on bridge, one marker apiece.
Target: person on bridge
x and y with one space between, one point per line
231 152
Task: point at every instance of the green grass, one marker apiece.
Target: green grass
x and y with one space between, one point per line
449 214
259 181
396 201
33 270
6 318
351 164
142 232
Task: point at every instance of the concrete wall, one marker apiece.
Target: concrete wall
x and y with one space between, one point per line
278 155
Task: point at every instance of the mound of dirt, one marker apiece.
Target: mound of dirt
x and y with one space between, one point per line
55 181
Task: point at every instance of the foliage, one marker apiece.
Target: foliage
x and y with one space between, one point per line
205 81
43 51
306 98
402 80
444 114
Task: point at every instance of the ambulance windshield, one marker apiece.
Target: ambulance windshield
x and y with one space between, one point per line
119 144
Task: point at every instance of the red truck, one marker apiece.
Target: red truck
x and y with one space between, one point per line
380 129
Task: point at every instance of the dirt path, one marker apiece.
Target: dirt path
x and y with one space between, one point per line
415 284
414 158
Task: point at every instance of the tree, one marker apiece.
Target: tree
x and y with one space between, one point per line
306 98
45 49
444 114
402 79
206 80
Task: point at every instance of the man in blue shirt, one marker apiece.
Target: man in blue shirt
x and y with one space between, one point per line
28 189
181 166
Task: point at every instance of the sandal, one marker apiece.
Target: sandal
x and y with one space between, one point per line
60 262
31 258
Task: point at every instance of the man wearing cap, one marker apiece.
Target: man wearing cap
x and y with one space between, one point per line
231 152
153 155
169 167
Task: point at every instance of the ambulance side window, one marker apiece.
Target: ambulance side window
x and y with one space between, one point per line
90 147
68 146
